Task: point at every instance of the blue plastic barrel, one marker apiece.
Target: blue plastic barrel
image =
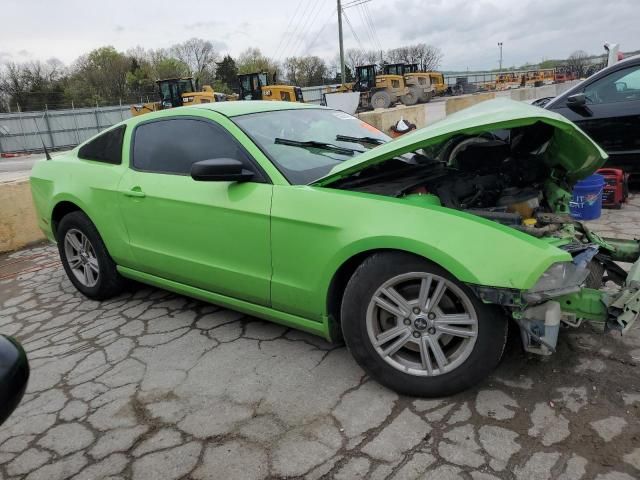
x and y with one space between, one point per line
586 198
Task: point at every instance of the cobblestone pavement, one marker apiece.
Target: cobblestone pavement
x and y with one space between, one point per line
152 385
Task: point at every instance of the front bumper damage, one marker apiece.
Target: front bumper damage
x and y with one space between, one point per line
539 314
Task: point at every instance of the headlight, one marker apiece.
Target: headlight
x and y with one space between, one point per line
560 277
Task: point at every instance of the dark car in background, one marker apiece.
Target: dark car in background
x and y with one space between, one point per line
607 107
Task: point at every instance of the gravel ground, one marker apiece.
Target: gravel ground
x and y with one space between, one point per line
152 385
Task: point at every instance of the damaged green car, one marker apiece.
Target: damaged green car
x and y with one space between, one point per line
419 252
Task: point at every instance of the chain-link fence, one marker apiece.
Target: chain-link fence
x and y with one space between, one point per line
24 132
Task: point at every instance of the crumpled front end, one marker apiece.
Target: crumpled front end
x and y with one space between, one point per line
593 287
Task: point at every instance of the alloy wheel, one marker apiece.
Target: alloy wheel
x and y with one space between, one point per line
422 324
81 258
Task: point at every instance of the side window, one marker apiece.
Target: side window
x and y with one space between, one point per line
105 148
620 86
173 145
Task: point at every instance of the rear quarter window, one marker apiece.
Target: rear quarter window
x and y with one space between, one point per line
105 148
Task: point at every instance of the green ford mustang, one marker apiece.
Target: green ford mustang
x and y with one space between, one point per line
419 252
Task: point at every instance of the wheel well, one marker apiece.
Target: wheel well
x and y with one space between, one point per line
342 277
59 211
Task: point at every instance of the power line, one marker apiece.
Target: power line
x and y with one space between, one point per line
295 30
355 35
366 26
369 17
284 34
307 26
313 42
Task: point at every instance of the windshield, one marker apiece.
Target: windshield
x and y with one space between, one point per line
302 142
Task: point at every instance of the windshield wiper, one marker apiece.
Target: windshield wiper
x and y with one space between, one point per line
369 140
312 144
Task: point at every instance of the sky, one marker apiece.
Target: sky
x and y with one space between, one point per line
467 32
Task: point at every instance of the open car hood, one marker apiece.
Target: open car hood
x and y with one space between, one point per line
570 151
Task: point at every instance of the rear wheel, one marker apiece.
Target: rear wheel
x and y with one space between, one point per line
416 329
85 258
412 97
426 97
380 99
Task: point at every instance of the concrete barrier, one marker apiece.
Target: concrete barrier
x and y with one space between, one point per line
425 114
18 225
455 104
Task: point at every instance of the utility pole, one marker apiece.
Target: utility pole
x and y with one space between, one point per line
342 73
500 46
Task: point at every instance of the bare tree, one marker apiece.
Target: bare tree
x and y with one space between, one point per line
578 62
200 55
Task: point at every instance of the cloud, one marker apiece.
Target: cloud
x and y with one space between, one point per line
467 31
201 25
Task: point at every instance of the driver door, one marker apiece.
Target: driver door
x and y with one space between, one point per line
212 235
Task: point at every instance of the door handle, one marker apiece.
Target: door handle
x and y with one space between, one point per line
134 192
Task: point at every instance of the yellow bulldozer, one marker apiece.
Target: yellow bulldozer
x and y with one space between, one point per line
176 92
256 86
419 83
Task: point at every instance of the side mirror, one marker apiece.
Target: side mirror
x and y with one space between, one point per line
220 170
577 100
14 374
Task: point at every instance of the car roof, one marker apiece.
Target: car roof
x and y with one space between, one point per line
244 107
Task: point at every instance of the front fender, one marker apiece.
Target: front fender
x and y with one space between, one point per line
315 230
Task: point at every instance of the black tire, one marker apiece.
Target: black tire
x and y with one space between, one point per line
412 97
380 99
492 329
426 97
109 281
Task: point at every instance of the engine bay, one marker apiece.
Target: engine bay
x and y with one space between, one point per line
499 175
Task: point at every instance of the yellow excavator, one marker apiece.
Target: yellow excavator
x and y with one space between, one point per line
176 92
256 86
418 83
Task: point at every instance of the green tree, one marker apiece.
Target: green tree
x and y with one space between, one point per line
252 60
170 67
101 75
227 73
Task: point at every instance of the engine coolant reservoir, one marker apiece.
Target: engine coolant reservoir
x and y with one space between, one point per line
523 201
423 199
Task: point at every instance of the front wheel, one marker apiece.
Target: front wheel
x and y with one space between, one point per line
380 99
416 329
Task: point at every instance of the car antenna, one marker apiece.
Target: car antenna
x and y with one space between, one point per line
44 147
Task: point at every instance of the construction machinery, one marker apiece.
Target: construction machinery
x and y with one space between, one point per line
256 86
418 83
438 83
379 91
176 92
